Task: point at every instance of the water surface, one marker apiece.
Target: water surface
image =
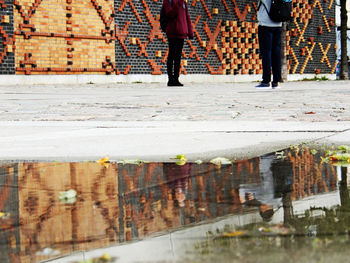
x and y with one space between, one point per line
276 207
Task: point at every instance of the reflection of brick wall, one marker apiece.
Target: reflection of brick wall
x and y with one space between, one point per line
123 37
124 202
310 177
9 235
147 207
46 222
43 220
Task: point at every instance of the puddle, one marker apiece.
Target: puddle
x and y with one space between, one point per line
286 206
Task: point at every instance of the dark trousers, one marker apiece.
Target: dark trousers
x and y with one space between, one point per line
174 57
270 52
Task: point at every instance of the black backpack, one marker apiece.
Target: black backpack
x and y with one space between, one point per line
280 10
163 20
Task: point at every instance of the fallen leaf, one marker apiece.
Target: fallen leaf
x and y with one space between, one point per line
48 252
310 112
104 161
4 215
68 197
220 161
105 257
324 159
233 234
344 148
180 159
137 162
275 230
340 157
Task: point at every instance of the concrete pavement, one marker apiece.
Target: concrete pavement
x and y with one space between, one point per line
155 122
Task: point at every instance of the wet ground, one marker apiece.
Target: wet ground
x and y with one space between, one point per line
292 206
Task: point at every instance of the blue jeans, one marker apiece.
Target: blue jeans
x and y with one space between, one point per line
270 52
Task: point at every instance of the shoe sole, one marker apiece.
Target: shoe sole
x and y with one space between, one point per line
263 87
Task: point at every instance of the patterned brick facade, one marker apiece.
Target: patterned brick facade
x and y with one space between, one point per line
7 59
124 37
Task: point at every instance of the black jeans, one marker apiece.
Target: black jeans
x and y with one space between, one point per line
174 57
270 51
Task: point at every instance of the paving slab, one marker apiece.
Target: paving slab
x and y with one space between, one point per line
154 122
157 141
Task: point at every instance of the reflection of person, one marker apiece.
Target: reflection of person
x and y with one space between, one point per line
266 211
282 172
178 29
261 194
269 34
177 179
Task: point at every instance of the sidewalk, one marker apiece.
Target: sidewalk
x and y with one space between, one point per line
155 122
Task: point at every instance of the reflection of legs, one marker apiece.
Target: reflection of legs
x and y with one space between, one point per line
276 55
265 45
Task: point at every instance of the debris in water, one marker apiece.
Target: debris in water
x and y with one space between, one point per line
68 197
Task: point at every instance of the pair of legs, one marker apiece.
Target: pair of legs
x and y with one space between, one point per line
270 51
174 60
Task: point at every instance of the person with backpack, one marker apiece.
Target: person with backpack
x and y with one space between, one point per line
269 35
179 27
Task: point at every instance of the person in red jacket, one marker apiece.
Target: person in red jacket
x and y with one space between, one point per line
178 29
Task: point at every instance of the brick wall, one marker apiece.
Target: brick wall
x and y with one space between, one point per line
123 37
7 59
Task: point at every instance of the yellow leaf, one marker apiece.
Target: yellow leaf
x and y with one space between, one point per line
234 234
180 159
105 257
104 161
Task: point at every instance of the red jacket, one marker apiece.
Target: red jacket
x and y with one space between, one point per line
179 25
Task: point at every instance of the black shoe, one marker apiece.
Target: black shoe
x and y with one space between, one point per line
171 82
177 83
263 85
275 85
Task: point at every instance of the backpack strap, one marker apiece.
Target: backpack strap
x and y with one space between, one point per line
262 3
259 4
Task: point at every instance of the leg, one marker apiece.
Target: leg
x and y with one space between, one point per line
265 47
170 60
177 59
276 55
